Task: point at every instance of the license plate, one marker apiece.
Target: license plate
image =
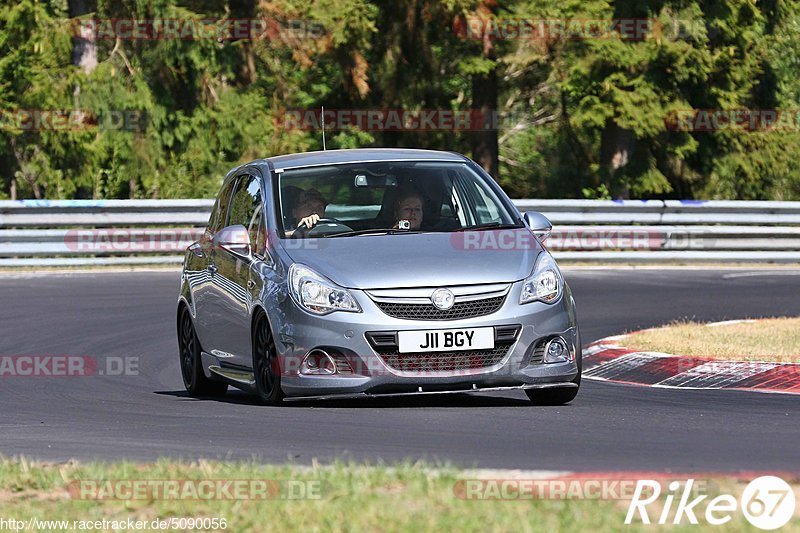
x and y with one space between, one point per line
440 340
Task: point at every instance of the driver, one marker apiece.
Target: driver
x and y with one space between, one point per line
309 209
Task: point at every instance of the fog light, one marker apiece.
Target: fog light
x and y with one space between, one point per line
317 363
557 351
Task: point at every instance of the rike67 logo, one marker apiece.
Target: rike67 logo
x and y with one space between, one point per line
767 502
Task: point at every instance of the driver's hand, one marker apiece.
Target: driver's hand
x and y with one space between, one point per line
309 221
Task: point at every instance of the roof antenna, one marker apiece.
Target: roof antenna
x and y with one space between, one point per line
323 128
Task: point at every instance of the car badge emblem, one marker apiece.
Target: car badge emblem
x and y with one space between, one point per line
443 299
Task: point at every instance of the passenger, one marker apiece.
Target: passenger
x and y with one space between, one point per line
408 207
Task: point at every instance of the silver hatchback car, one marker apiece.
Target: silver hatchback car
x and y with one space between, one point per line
374 272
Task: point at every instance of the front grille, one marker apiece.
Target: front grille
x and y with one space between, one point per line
443 361
469 309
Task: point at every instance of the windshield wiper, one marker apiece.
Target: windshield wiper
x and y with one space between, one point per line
372 231
490 225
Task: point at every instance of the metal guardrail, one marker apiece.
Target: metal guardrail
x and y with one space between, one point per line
104 232
103 213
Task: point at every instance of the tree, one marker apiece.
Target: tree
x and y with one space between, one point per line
569 113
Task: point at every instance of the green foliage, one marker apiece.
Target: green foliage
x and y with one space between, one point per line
598 193
582 117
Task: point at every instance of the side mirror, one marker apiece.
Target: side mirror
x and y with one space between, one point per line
539 224
235 239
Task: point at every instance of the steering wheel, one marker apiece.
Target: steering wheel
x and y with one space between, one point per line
303 231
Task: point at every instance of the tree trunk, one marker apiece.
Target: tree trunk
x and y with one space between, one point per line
616 149
84 47
245 9
485 149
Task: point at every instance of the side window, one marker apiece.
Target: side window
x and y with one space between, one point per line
220 211
482 203
246 207
487 207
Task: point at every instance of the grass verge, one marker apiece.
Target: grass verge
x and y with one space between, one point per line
773 339
347 497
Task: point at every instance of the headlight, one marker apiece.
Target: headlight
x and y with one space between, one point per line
545 284
317 294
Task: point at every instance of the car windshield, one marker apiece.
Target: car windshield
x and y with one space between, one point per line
387 198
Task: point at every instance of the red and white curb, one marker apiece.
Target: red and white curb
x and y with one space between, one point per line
609 360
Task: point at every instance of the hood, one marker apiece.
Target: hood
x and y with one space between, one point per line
420 259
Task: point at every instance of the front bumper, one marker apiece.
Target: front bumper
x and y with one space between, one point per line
297 332
422 392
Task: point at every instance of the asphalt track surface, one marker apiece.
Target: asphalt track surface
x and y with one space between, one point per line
608 426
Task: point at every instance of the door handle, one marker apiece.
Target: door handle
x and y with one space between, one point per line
212 269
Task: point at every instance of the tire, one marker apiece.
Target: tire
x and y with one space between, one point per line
266 370
194 379
554 396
